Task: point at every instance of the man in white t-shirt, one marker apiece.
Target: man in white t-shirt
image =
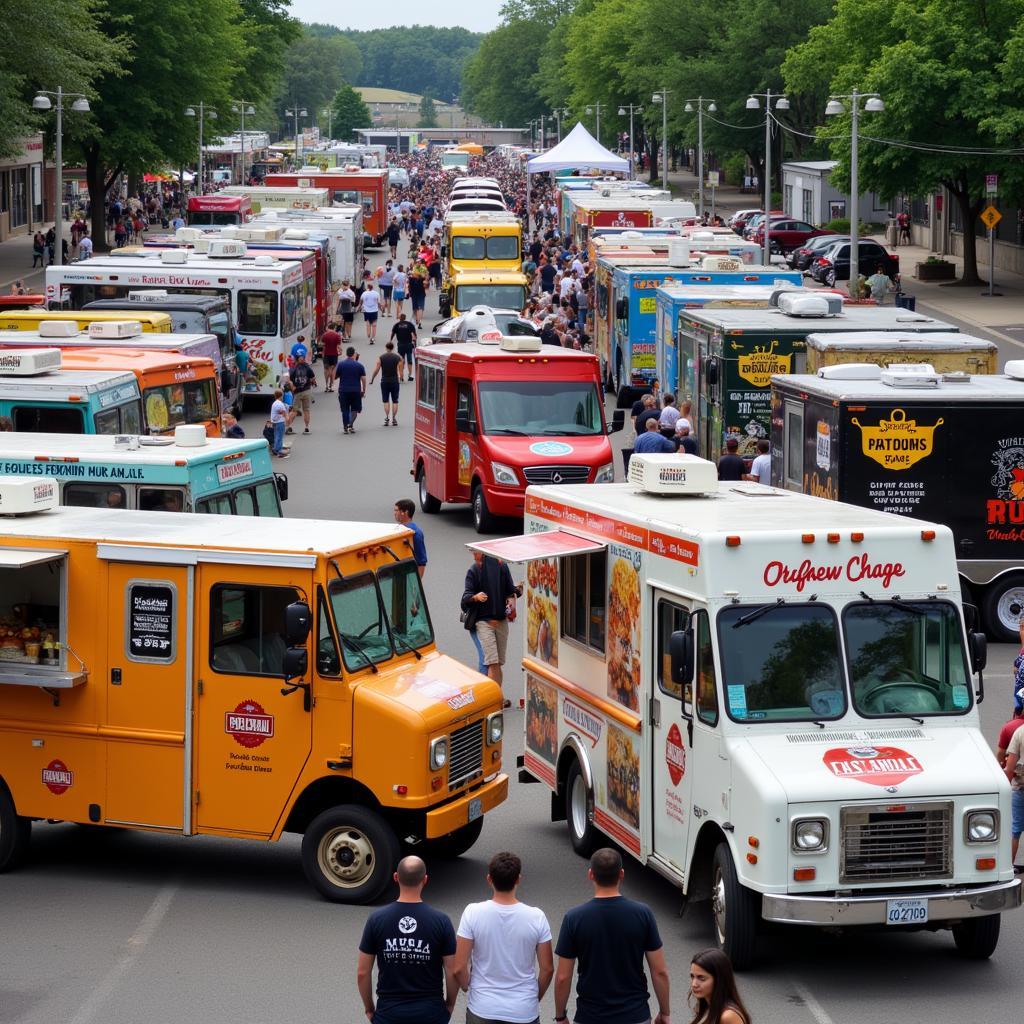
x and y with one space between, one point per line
761 467
369 304
503 954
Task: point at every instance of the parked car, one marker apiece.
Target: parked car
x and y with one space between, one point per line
788 234
739 220
802 257
833 263
752 223
484 324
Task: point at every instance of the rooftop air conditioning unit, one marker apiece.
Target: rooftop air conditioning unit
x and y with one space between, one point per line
679 252
58 329
190 435
673 474
1014 369
520 343
226 248
721 263
23 495
114 329
175 257
796 304
202 245
263 261
187 236
29 362
910 375
851 371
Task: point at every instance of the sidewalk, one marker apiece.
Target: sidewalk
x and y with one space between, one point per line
16 265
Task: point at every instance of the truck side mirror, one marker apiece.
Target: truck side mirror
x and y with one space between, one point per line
295 663
622 309
970 616
618 421
711 372
977 644
682 656
281 482
462 423
297 621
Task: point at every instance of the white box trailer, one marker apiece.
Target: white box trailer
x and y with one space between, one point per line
765 697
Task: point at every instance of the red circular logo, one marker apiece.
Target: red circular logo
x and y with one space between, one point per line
675 755
249 724
877 766
57 777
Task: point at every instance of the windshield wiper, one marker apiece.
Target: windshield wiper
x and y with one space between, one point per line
900 603
904 714
508 431
395 637
574 431
757 613
353 645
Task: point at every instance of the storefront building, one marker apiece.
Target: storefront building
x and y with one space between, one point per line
21 189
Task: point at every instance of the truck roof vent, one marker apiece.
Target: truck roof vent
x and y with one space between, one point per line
520 343
675 475
679 252
24 495
188 236
721 263
174 256
190 435
58 329
202 245
1014 369
851 371
795 304
294 234
29 362
113 329
263 261
156 295
910 375
226 248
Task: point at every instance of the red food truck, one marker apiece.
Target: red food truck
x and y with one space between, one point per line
494 418
364 186
215 210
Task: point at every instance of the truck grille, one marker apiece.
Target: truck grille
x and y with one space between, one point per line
466 758
547 474
901 842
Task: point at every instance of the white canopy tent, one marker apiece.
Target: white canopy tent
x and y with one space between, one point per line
579 149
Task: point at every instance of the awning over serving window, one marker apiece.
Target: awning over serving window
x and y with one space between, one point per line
21 558
550 544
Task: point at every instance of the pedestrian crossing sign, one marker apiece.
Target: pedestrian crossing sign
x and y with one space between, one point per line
990 217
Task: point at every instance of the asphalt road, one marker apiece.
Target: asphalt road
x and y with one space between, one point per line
126 928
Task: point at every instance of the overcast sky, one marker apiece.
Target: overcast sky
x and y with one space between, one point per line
476 15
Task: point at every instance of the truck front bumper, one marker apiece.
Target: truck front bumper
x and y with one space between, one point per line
455 815
849 911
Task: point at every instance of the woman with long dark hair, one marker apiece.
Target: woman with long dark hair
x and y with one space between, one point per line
713 990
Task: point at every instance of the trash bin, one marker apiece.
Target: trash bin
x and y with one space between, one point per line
892 232
905 301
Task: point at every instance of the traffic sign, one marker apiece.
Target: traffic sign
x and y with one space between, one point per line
991 184
990 217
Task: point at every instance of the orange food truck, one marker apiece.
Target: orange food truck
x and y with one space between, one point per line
493 418
366 187
217 210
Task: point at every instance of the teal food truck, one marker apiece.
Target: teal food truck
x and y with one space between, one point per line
181 473
727 357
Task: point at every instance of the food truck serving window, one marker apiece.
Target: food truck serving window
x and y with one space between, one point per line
31 609
781 662
247 628
257 312
906 659
584 599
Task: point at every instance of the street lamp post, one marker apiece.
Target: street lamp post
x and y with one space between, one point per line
542 140
595 108
80 106
328 112
203 114
662 98
873 104
558 114
700 101
297 112
781 103
243 108
633 109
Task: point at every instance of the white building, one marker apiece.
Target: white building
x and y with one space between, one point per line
809 195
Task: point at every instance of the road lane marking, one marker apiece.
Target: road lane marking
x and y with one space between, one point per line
136 943
814 1008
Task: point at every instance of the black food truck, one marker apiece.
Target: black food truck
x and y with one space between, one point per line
944 447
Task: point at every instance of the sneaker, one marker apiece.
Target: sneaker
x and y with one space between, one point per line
387 422
289 431
394 423
306 431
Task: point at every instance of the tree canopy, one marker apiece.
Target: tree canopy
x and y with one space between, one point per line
315 68
349 113
428 113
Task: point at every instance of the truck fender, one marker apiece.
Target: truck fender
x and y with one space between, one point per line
572 747
697 880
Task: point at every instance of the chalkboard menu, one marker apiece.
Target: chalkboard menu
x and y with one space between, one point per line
151 622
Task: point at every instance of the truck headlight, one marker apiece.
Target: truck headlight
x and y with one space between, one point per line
495 727
810 835
981 826
504 474
438 753
606 474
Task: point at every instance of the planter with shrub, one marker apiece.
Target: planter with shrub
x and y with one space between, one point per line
935 269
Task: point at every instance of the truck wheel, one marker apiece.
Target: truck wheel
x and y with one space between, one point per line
456 843
579 810
1004 604
349 854
736 911
428 502
444 309
483 521
977 937
15 832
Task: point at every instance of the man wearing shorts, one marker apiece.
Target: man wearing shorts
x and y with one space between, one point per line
346 309
404 333
387 283
418 293
351 388
489 583
303 380
389 366
330 345
401 282
369 303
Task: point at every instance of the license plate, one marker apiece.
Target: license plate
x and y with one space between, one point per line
906 911
476 808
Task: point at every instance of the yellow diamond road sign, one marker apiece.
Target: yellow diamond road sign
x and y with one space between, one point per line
990 217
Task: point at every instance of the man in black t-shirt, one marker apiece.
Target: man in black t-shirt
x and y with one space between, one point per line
404 334
389 366
303 378
731 465
610 937
414 949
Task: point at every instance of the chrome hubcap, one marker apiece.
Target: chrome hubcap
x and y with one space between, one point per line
578 805
1009 608
718 905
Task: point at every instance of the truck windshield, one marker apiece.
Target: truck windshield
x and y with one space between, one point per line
468 247
500 296
906 659
550 407
170 405
782 665
378 616
503 247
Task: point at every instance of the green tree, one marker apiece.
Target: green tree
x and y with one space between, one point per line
350 113
316 67
950 73
268 30
428 113
54 43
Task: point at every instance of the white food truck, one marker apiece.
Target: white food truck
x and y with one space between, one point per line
765 697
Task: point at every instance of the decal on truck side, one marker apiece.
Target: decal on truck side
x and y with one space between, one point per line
57 777
896 442
249 725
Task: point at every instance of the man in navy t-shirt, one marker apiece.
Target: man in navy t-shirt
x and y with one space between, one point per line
351 378
404 510
413 946
609 938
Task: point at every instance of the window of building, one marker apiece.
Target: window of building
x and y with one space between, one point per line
247 628
95 496
257 312
584 599
807 209
787 202
19 197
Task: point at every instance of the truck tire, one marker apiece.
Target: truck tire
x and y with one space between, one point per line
483 520
1004 603
15 833
977 937
456 843
428 502
736 911
579 812
349 854
444 308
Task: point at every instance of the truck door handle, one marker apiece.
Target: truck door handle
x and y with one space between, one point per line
115 677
